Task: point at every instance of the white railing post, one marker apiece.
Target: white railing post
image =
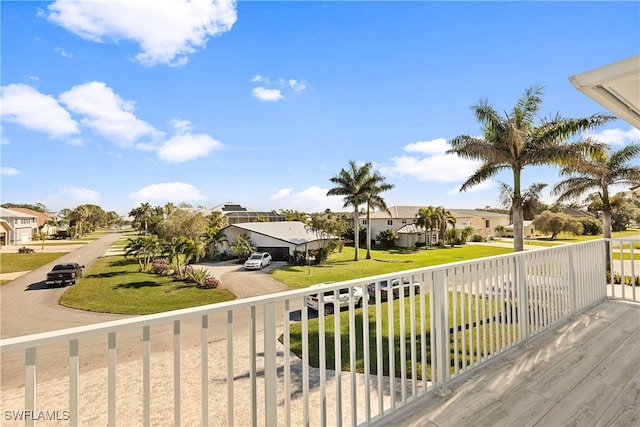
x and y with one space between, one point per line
441 331
204 337
176 373
270 367
111 379
146 376
573 295
74 384
30 384
522 307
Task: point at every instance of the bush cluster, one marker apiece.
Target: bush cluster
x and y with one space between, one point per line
25 250
628 280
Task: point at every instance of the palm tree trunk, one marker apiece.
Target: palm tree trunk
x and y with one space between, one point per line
368 234
518 226
356 233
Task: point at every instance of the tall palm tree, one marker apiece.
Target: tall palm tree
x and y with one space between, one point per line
515 141
429 219
446 218
353 184
376 186
599 170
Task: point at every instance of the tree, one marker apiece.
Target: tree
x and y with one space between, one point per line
599 170
446 218
217 220
144 249
213 238
500 230
141 215
182 224
429 219
515 141
354 184
530 199
375 185
388 237
555 223
242 247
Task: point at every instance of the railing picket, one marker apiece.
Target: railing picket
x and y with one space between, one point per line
230 399
111 381
305 365
367 364
30 384
146 375
204 361
74 383
423 333
253 366
176 373
392 351
337 357
379 351
412 334
352 367
322 353
270 366
403 342
287 363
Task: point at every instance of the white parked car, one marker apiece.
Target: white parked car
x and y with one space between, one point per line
330 303
257 261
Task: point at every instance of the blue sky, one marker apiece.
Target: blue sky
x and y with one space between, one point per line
261 103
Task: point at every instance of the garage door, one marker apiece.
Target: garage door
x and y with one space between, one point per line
277 253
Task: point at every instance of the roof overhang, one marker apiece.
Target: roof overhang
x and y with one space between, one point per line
615 86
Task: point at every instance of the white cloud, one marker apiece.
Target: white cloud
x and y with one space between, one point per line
297 85
182 148
431 163
273 91
264 94
63 52
8 171
167 31
616 136
312 199
33 110
107 114
167 192
74 196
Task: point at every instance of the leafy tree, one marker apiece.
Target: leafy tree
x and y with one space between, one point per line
141 216
599 169
453 236
144 249
515 141
500 230
38 207
217 220
429 218
261 218
555 223
242 247
446 218
181 250
388 237
354 184
213 237
591 226
182 224
293 215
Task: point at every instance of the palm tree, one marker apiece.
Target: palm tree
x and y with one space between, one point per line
446 218
353 184
515 141
212 238
599 170
429 219
376 185
142 214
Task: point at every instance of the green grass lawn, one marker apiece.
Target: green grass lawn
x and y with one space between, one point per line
11 263
314 337
340 266
114 285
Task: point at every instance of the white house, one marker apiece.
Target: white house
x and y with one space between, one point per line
22 226
402 219
281 238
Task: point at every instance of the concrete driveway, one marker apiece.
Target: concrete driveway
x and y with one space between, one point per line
245 283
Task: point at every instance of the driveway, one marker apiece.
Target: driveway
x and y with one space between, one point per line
245 283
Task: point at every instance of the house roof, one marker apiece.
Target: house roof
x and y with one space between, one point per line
10 213
410 212
615 86
477 213
41 217
411 229
289 231
577 213
5 225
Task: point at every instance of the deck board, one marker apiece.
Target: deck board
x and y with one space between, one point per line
585 372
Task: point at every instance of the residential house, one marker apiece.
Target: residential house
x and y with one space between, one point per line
21 226
43 220
402 219
281 238
236 213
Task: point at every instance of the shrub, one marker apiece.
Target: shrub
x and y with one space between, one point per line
211 283
477 238
25 250
202 278
160 266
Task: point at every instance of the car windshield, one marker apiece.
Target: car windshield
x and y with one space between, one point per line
256 256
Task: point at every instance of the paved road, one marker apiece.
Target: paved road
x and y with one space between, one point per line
29 307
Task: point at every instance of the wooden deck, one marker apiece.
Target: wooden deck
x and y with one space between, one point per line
583 373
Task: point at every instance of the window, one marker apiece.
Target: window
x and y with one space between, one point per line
389 222
487 223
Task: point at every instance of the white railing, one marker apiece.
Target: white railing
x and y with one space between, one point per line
624 258
270 361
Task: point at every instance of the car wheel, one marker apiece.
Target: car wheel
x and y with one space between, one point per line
359 303
328 309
